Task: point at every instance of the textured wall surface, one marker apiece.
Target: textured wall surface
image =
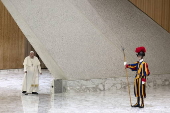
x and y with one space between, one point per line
35 41
131 28
83 38
114 84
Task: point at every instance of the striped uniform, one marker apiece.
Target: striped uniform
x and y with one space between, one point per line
142 71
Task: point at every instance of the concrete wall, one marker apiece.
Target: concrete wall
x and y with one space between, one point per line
82 39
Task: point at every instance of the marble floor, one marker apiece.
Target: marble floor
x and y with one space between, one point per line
12 101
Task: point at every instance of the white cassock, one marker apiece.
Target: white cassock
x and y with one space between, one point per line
31 78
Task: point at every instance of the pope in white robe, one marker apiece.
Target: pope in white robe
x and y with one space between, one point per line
32 69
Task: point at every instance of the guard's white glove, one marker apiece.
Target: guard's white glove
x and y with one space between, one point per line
143 82
125 63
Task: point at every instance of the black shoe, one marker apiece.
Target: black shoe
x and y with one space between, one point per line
34 93
24 92
142 106
136 105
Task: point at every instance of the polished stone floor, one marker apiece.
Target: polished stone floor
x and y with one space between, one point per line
12 101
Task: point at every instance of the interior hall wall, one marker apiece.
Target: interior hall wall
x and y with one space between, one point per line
158 10
12 47
83 39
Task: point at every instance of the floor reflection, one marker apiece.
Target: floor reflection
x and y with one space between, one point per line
13 101
44 103
98 102
10 104
30 103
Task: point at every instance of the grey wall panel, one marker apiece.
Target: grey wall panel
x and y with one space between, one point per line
84 37
131 28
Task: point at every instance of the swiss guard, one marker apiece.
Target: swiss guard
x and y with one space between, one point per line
142 72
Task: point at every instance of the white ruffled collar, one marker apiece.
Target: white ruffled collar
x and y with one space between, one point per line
141 60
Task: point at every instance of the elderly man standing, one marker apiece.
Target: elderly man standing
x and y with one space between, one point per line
31 79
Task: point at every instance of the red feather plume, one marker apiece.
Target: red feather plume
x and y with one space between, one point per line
139 49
